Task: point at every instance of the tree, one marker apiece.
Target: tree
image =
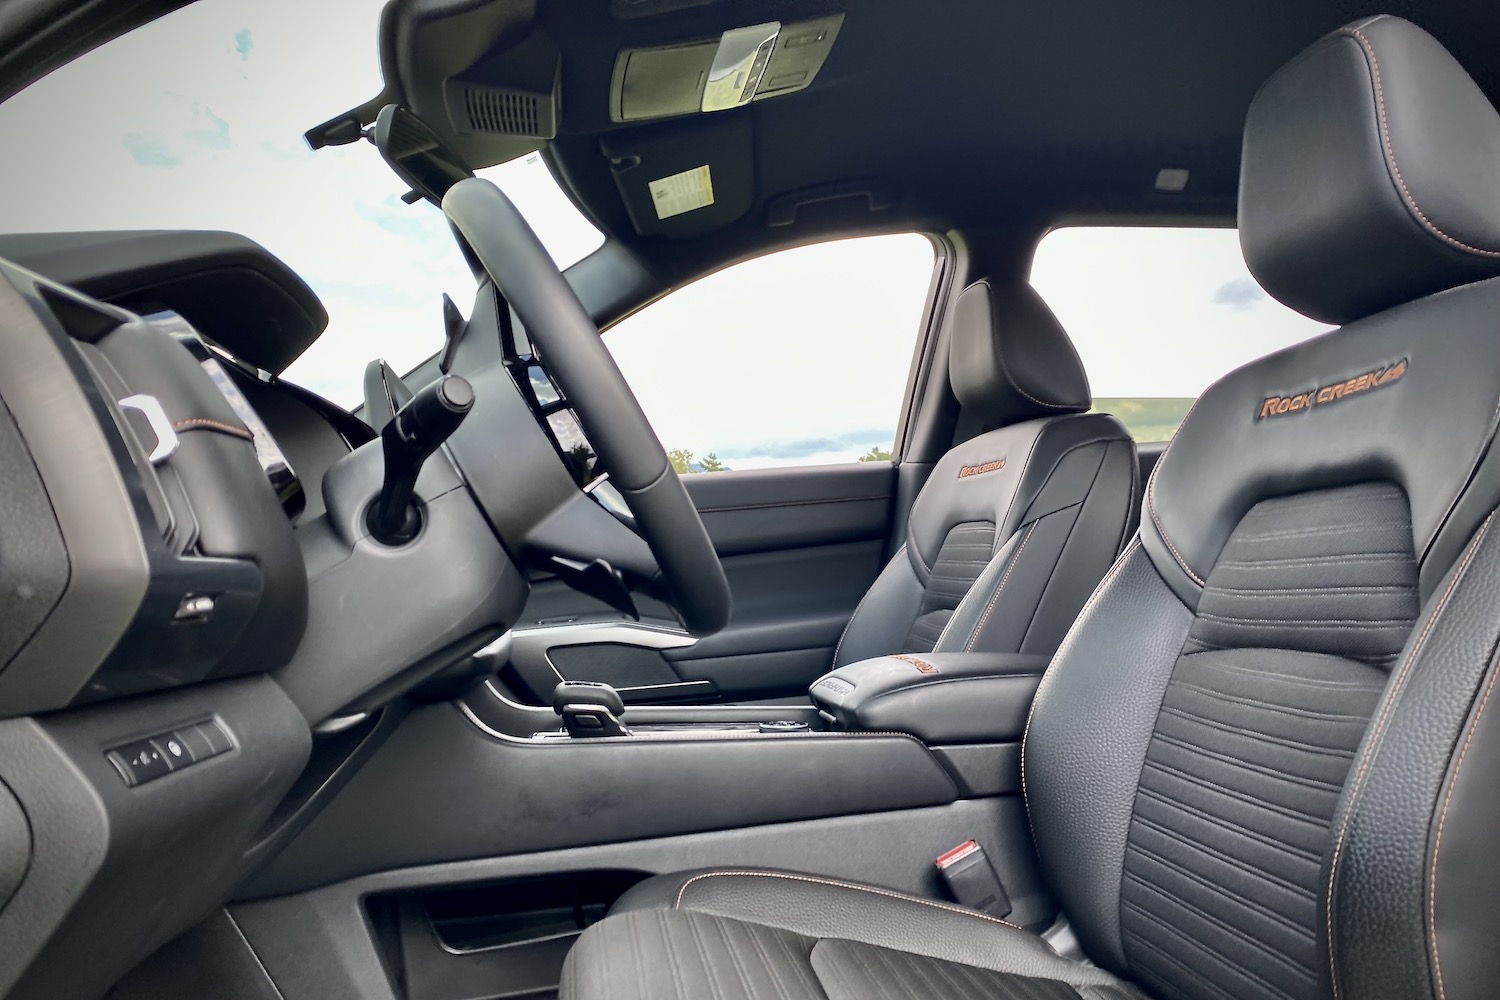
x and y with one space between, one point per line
581 460
681 459
710 463
877 454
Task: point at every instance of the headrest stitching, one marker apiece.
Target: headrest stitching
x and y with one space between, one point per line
1000 353
1390 152
1161 529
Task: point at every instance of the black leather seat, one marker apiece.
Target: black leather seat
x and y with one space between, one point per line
1015 526
1262 763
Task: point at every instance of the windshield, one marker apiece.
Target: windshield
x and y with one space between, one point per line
195 121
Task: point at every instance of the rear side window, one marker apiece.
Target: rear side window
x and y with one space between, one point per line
1158 315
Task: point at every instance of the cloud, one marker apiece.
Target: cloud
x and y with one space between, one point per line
149 149
407 221
1240 294
383 295
205 130
209 130
287 152
861 440
243 43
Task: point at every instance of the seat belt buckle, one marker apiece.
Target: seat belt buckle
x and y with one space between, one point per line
972 879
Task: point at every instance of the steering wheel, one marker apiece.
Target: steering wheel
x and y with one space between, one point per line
577 359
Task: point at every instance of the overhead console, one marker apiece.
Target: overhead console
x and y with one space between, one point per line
746 64
147 542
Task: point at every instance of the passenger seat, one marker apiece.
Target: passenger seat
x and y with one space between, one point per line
1017 525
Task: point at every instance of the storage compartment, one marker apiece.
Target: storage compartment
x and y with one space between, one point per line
940 698
490 940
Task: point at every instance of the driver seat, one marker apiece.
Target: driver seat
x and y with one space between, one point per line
1261 765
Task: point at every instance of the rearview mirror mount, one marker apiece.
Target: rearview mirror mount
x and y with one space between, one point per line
416 153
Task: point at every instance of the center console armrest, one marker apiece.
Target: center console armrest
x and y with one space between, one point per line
940 698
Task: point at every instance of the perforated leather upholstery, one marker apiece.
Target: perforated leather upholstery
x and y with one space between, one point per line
1260 765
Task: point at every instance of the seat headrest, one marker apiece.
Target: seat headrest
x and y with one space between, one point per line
1010 359
1370 174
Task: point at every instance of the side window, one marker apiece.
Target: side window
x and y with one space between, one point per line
1158 315
796 358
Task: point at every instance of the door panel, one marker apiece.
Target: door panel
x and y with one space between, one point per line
800 547
767 510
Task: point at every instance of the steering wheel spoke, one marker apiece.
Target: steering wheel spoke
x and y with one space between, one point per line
667 525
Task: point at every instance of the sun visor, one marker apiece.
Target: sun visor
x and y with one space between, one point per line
752 63
683 179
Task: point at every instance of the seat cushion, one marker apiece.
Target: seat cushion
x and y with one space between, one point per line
751 934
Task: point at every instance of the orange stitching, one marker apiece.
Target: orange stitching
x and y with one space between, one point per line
979 627
1437 845
841 885
921 664
1135 543
1009 509
1390 153
1021 479
1151 494
204 423
1376 734
1000 355
839 646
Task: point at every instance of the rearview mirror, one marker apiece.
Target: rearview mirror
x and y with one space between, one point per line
416 153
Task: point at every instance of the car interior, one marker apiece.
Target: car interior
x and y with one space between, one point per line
479 687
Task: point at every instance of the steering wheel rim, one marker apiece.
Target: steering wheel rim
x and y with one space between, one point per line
518 264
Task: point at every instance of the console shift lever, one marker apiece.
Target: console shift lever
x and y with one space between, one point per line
589 709
416 431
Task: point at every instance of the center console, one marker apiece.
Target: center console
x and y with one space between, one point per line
940 698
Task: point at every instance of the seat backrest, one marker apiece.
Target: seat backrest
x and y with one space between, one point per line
1260 765
1015 526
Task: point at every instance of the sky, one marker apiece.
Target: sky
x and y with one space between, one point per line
195 121
1160 312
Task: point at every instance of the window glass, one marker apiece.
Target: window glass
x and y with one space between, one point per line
195 121
1158 315
796 358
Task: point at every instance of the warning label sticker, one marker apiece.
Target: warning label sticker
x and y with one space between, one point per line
682 192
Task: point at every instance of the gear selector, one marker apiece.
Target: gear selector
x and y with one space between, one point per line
589 710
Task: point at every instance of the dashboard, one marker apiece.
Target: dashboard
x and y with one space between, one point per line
196 629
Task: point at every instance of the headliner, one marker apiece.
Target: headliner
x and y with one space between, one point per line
1013 115
985 113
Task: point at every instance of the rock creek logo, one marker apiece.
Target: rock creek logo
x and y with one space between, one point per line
1334 392
978 470
923 667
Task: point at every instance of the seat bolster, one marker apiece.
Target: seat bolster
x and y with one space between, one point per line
659 892
880 622
1412 857
831 909
1091 725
